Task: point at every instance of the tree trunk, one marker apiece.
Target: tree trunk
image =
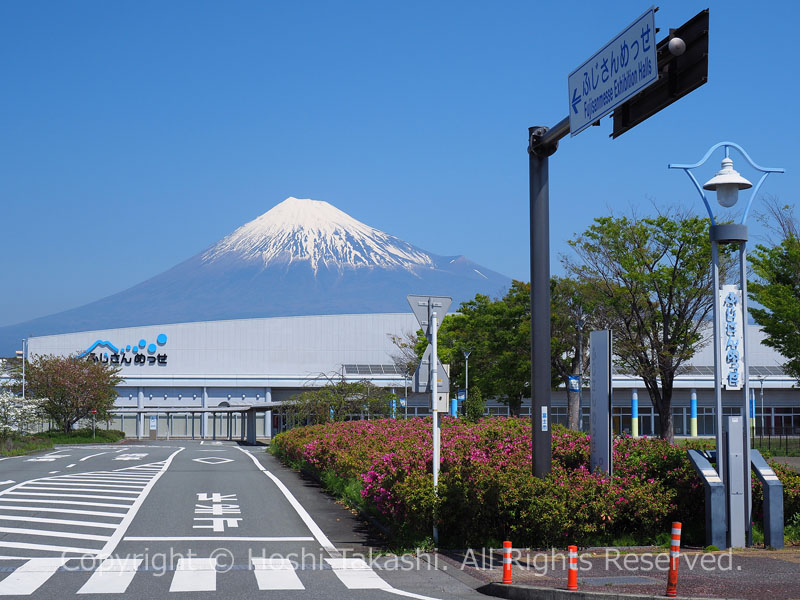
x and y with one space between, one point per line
573 409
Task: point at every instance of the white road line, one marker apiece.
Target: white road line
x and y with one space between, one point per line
27 578
104 475
77 488
303 514
62 495
317 532
113 576
394 590
211 538
129 516
70 466
94 513
356 574
33 501
87 483
275 574
56 521
195 575
51 472
58 534
142 480
28 546
92 455
7 481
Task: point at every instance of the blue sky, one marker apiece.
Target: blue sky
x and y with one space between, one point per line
135 134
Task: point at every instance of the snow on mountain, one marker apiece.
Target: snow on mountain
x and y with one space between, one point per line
303 257
317 233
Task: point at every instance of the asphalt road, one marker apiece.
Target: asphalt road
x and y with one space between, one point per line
198 519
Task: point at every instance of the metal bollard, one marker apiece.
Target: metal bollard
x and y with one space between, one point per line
572 574
674 559
506 562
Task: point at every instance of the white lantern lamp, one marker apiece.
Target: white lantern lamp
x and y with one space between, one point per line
727 183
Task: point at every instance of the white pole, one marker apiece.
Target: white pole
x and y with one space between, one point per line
24 355
434 404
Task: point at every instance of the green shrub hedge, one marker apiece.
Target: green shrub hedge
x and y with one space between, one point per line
487 492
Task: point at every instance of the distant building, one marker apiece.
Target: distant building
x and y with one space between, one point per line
171 371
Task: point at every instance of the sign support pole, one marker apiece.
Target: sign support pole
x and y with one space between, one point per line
543 142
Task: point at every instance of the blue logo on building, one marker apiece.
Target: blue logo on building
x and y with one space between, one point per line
141 352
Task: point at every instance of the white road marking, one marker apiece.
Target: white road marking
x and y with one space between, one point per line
59 534
302 512
27 578
321 538
131 456
51 472
206 538
95 513
5 482
57 454
89 483
129 516
92 455
70 496
53 488
124 478
42 459
113 576
213 460
28 519
276 574
70 466
31 500
195 575
356 574
48 547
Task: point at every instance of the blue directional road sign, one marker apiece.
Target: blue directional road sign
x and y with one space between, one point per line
620 69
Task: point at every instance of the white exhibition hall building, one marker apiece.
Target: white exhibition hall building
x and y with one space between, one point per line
206 379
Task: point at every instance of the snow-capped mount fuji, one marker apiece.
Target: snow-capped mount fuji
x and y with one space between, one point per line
320 234
302 257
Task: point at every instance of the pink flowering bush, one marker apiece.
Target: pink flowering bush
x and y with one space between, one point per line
486 490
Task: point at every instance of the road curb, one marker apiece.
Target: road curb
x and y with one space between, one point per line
529 592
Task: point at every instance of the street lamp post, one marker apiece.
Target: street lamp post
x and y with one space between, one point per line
727 183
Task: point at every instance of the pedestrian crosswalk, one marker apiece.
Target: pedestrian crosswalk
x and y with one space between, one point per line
197 574
71 514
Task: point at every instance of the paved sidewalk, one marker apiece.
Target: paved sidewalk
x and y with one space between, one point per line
749 574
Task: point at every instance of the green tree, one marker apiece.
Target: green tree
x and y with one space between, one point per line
777 290
497 332
70 387
474 405
654 282
574 312
338 401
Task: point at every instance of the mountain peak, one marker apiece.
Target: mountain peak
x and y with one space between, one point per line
316 232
